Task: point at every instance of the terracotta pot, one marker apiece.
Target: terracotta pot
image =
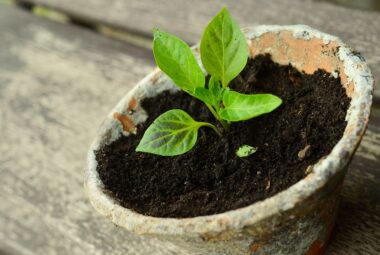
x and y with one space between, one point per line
298 220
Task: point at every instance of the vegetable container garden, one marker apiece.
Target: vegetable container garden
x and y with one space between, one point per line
283 198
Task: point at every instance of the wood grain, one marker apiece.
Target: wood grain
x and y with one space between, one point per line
187 19
358 224
57 83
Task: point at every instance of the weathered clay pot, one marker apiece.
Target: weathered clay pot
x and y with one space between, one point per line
298 220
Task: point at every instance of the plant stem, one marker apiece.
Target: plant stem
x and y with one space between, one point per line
212 126
223 122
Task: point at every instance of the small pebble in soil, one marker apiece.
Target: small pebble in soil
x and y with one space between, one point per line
305 152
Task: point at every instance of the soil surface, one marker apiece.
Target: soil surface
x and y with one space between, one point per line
211 178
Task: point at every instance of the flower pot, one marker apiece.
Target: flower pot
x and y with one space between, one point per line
298 220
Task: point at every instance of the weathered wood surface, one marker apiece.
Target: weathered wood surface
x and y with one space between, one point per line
358 224
57 83
187 19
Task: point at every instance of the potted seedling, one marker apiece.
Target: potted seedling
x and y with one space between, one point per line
175 132
238 145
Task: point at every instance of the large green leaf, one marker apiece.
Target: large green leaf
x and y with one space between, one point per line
172 133
224 49
237 107
175 58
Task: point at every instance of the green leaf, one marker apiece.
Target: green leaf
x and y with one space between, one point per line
245 151
217 91
212 96
239 107
172 133
214 86
224 49
175 58
205 95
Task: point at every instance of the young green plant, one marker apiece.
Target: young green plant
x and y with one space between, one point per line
224 54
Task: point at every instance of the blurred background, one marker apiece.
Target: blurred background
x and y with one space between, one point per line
65 63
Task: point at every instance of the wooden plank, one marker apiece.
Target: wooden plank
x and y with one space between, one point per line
56 85
187 19
358 224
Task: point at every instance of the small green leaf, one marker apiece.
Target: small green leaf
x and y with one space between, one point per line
214 85
172 133
245 151
216 90
175 58
239 107
224 49
212 95
204 95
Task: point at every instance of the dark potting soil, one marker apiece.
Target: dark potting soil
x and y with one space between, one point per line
211 178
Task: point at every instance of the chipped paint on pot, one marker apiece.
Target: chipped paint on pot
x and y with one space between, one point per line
298 220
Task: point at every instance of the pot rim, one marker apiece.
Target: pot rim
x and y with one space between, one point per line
357 117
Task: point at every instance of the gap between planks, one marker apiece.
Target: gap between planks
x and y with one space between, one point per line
133 37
